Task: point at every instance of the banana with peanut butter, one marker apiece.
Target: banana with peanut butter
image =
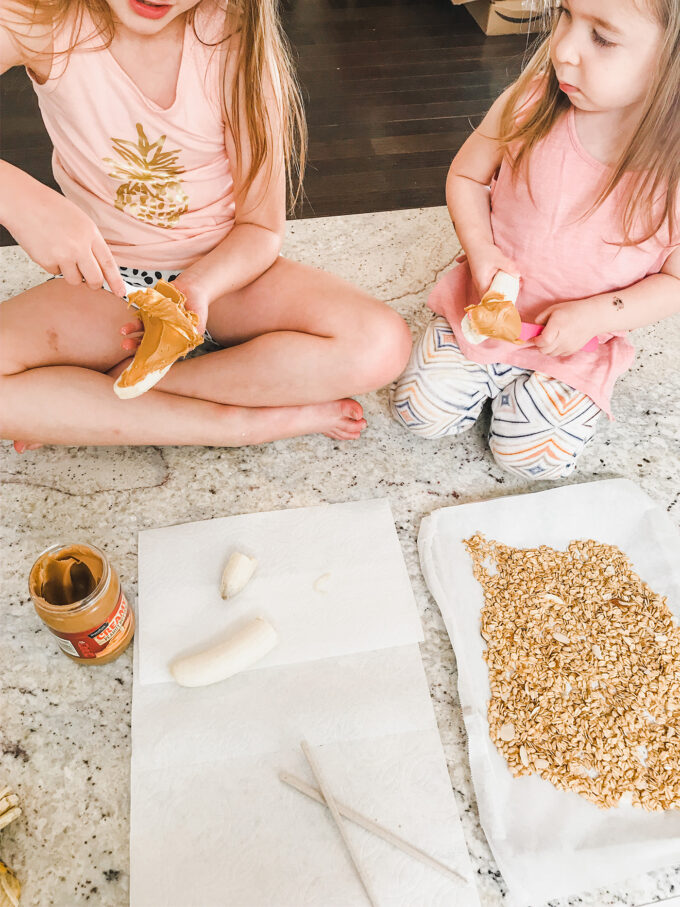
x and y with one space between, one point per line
169 333
496 315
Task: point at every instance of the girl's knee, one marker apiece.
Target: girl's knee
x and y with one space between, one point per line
535 460
397 344
11 344
538 434
385 353
415 408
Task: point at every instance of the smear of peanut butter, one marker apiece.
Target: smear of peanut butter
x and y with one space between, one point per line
496 316
169 331
67 576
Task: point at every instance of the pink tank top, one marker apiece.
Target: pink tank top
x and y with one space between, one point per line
157 182
560 258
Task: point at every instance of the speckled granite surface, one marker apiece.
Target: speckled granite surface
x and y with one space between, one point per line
64 729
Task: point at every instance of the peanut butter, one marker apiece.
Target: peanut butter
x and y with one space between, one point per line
76 593
169 331
495 316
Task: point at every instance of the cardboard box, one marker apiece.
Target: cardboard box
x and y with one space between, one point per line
508 17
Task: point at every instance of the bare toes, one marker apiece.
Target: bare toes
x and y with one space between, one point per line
350 409
23 446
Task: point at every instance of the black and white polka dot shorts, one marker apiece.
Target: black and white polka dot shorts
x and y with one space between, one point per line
138 279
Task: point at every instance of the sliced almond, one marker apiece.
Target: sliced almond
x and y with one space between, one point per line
507 731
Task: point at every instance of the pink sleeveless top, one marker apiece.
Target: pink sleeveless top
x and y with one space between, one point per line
560 258
157 182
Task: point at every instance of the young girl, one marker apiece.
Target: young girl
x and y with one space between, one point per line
172 126
582 157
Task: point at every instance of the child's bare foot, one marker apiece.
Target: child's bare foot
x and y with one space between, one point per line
22 446
342 420
347 419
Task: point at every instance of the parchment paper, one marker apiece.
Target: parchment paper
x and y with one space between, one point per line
549 843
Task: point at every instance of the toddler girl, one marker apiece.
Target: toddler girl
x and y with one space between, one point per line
173 125
570 182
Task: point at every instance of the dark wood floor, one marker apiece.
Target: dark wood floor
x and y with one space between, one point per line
391 90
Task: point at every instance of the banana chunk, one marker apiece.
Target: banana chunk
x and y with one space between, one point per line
238 652
10 888
495 315
237 574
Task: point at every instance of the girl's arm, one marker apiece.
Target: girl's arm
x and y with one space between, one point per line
52 230
468 198
570 325
254 242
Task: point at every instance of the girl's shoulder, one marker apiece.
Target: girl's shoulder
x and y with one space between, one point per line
26 37
47 36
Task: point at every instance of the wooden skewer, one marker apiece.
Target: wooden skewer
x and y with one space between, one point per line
372 826
333 809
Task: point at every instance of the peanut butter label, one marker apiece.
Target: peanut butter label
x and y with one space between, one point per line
90 643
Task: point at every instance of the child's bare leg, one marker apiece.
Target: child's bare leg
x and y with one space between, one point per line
296 335
56 344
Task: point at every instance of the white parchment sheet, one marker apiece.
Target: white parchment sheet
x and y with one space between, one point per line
549 843
211 824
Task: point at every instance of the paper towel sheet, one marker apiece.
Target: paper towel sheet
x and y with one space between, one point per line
363 695
549 843
211 824
368 603
243 838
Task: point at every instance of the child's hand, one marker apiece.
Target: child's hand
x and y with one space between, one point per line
62 239
568 327
484 263
197 299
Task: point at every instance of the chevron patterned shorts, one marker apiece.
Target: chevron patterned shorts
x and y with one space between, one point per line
539 425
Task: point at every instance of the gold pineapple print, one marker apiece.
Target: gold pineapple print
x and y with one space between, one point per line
152 191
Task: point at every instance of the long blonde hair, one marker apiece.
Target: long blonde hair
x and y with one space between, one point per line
264 60
649 166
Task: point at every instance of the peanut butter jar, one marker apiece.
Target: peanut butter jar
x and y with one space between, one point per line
77 594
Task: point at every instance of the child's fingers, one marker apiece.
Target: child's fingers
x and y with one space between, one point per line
133 332
71 273
108 266
132 327
543 316
92 273
549 349
547 341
